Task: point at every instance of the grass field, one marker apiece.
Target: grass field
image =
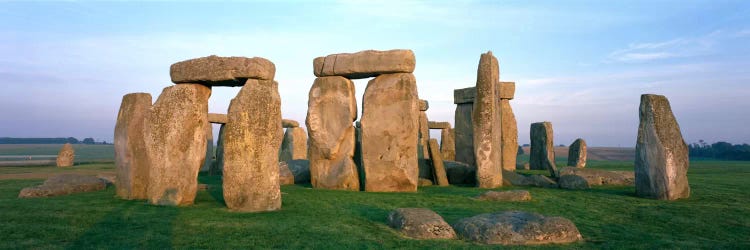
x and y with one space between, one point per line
84 153
716 216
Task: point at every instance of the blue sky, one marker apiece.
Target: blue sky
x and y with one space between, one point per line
582 65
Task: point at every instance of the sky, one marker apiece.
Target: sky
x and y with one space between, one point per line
582 65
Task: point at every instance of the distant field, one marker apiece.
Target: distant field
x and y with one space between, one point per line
17 154
596 153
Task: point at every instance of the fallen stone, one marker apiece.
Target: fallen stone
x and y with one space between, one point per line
661 155
601 177
66 156
64 184
420 223
217 118
251 148
513 195
287 123
364 64
511 178
294 145
437 164
438 125
390 124
542 156
286 177
577 154
460 173
222 71
175 139
424 182
541 181
448 144
573 182
517 228
131 162
486 124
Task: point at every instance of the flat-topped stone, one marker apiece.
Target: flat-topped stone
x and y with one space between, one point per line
364 64
222 71
287 123
438 125
517 228
465 95
217 118
506 90
424 105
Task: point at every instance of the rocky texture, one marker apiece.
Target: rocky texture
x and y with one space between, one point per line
420 223
465 95
573 182
300 169
217 118
294 145
438 125
286 177
542 156
423 152
577 154
131 162
661 155
486 124
515 179
424 105
251 147
390 123
509 142
222 71
424 182
448 144
209 160
64 184
66 156
517 228
507 90
287 123
438 169
513 195
332 107
365 64
601 177
218 166
460 173
176 143
464 134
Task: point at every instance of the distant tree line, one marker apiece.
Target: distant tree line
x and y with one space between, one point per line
59 140
720 150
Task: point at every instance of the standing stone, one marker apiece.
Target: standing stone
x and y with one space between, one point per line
131 163
661 155
176 143
294 145
390 125
441 178
66 156
332 107
464 134
509 135
486 124
209 149
218 167
425 171
577 154
251 147
542 154
447 144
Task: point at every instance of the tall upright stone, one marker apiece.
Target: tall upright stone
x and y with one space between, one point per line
463 128
294 145
423 152
251 147
577 154
486 124
661 155
542 156
176 143
448 144
131 162
509 126
218 167
66 156
332 108
390 127
209 148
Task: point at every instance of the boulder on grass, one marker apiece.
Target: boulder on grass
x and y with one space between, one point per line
64 184
574 182
460 173
420 223
517 228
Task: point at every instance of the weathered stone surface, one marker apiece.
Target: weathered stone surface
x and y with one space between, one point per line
438 125
209 160
420 223
424 105
294 145
661 155
487 124
66 156
517 228
460 173
331 110
64 184
300 169
423 152
511 178
365 64
512 195
176 143
424 182
222 71
601 177
509 143
390 125
573 182
217 118
464 134
251 147
577 154
507 90
131 162
542 156
288 123
286 177
218 167
465 95
448 144
541 181
438 169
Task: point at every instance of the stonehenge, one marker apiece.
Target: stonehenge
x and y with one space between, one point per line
542 156
66 156
131 165
294 144
486 124
364 64
222 71
423 152
661 155
447 145
438 169
577 154
509 127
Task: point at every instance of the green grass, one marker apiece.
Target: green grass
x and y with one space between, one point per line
84 153
716 216
92 167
